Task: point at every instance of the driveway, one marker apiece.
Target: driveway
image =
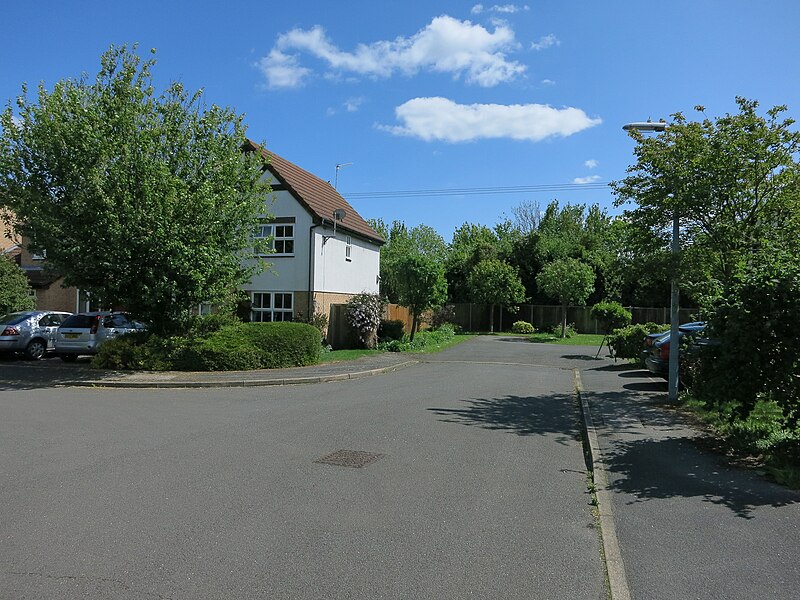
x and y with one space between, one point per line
461 477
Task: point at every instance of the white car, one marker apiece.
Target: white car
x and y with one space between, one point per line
84 333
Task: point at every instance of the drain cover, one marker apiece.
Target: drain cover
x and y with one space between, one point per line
349 458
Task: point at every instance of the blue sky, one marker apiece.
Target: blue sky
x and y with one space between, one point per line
436 95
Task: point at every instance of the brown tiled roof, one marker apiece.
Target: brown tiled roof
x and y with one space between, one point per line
317 196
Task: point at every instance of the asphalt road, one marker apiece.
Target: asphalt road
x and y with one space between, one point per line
477 488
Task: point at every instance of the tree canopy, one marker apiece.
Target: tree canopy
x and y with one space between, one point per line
731 181
420 285
493 282
144 200
569 281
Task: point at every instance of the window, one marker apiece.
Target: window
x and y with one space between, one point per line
348 248
40 255
272 306
280 233
205 308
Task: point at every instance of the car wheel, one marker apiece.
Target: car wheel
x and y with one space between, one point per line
35 349
69 357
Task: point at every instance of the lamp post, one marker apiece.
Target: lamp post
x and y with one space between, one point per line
674 307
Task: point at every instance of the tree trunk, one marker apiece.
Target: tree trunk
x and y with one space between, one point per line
563 321
414 323
491 319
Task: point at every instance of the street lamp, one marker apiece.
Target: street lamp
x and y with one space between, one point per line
674 307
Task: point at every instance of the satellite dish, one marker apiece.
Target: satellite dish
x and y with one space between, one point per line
339 214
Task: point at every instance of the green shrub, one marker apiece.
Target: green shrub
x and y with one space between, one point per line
568 332
203 325
522 327
611 316
390 330
423 340
627 342
233 347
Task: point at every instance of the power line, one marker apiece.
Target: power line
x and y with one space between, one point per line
478 191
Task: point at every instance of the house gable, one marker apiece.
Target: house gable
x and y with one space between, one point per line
317 196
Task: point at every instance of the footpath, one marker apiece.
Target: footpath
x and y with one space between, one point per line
688 523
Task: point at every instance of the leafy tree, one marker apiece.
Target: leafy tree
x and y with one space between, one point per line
143 200
492 282
569 281
731 182
14 288
758 357
420 284
401 242
470 245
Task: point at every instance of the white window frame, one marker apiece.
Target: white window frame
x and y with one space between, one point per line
264 307
348 249
280 235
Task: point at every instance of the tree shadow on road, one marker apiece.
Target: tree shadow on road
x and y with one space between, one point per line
655 450
541 415
676 467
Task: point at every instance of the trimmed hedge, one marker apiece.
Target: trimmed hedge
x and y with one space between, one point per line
231 347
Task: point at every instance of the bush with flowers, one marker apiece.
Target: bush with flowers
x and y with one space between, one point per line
364 313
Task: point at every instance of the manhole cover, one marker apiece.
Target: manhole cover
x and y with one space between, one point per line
349 458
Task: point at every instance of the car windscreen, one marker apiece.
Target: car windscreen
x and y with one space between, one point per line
13 318
79 321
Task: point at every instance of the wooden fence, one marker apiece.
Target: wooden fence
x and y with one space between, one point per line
475 317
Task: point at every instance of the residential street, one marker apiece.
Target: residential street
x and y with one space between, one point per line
480 489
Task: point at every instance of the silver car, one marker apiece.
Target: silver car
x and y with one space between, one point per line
84 333
32 332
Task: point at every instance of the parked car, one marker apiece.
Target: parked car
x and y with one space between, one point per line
656 354
85 333
31 332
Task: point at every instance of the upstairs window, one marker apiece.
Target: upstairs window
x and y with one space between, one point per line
281 236
347 249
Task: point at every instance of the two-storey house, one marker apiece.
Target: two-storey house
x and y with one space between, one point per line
324 251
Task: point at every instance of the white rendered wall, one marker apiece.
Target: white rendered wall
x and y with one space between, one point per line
333 273
287 273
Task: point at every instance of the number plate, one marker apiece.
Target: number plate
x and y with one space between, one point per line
72 336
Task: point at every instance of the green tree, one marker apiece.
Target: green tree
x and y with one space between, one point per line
401 242
14 288
421 285
470 245
730 181
569 281
143 200
493 282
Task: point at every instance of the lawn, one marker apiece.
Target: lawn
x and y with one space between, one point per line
340 355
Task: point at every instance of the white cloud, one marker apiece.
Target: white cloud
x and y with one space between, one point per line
477 9
445 45
442 119
548 82
353 104
591 163
589 179
546 41
282 70
508 8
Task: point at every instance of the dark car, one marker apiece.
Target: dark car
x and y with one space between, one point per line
656 353
31 332
85 333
